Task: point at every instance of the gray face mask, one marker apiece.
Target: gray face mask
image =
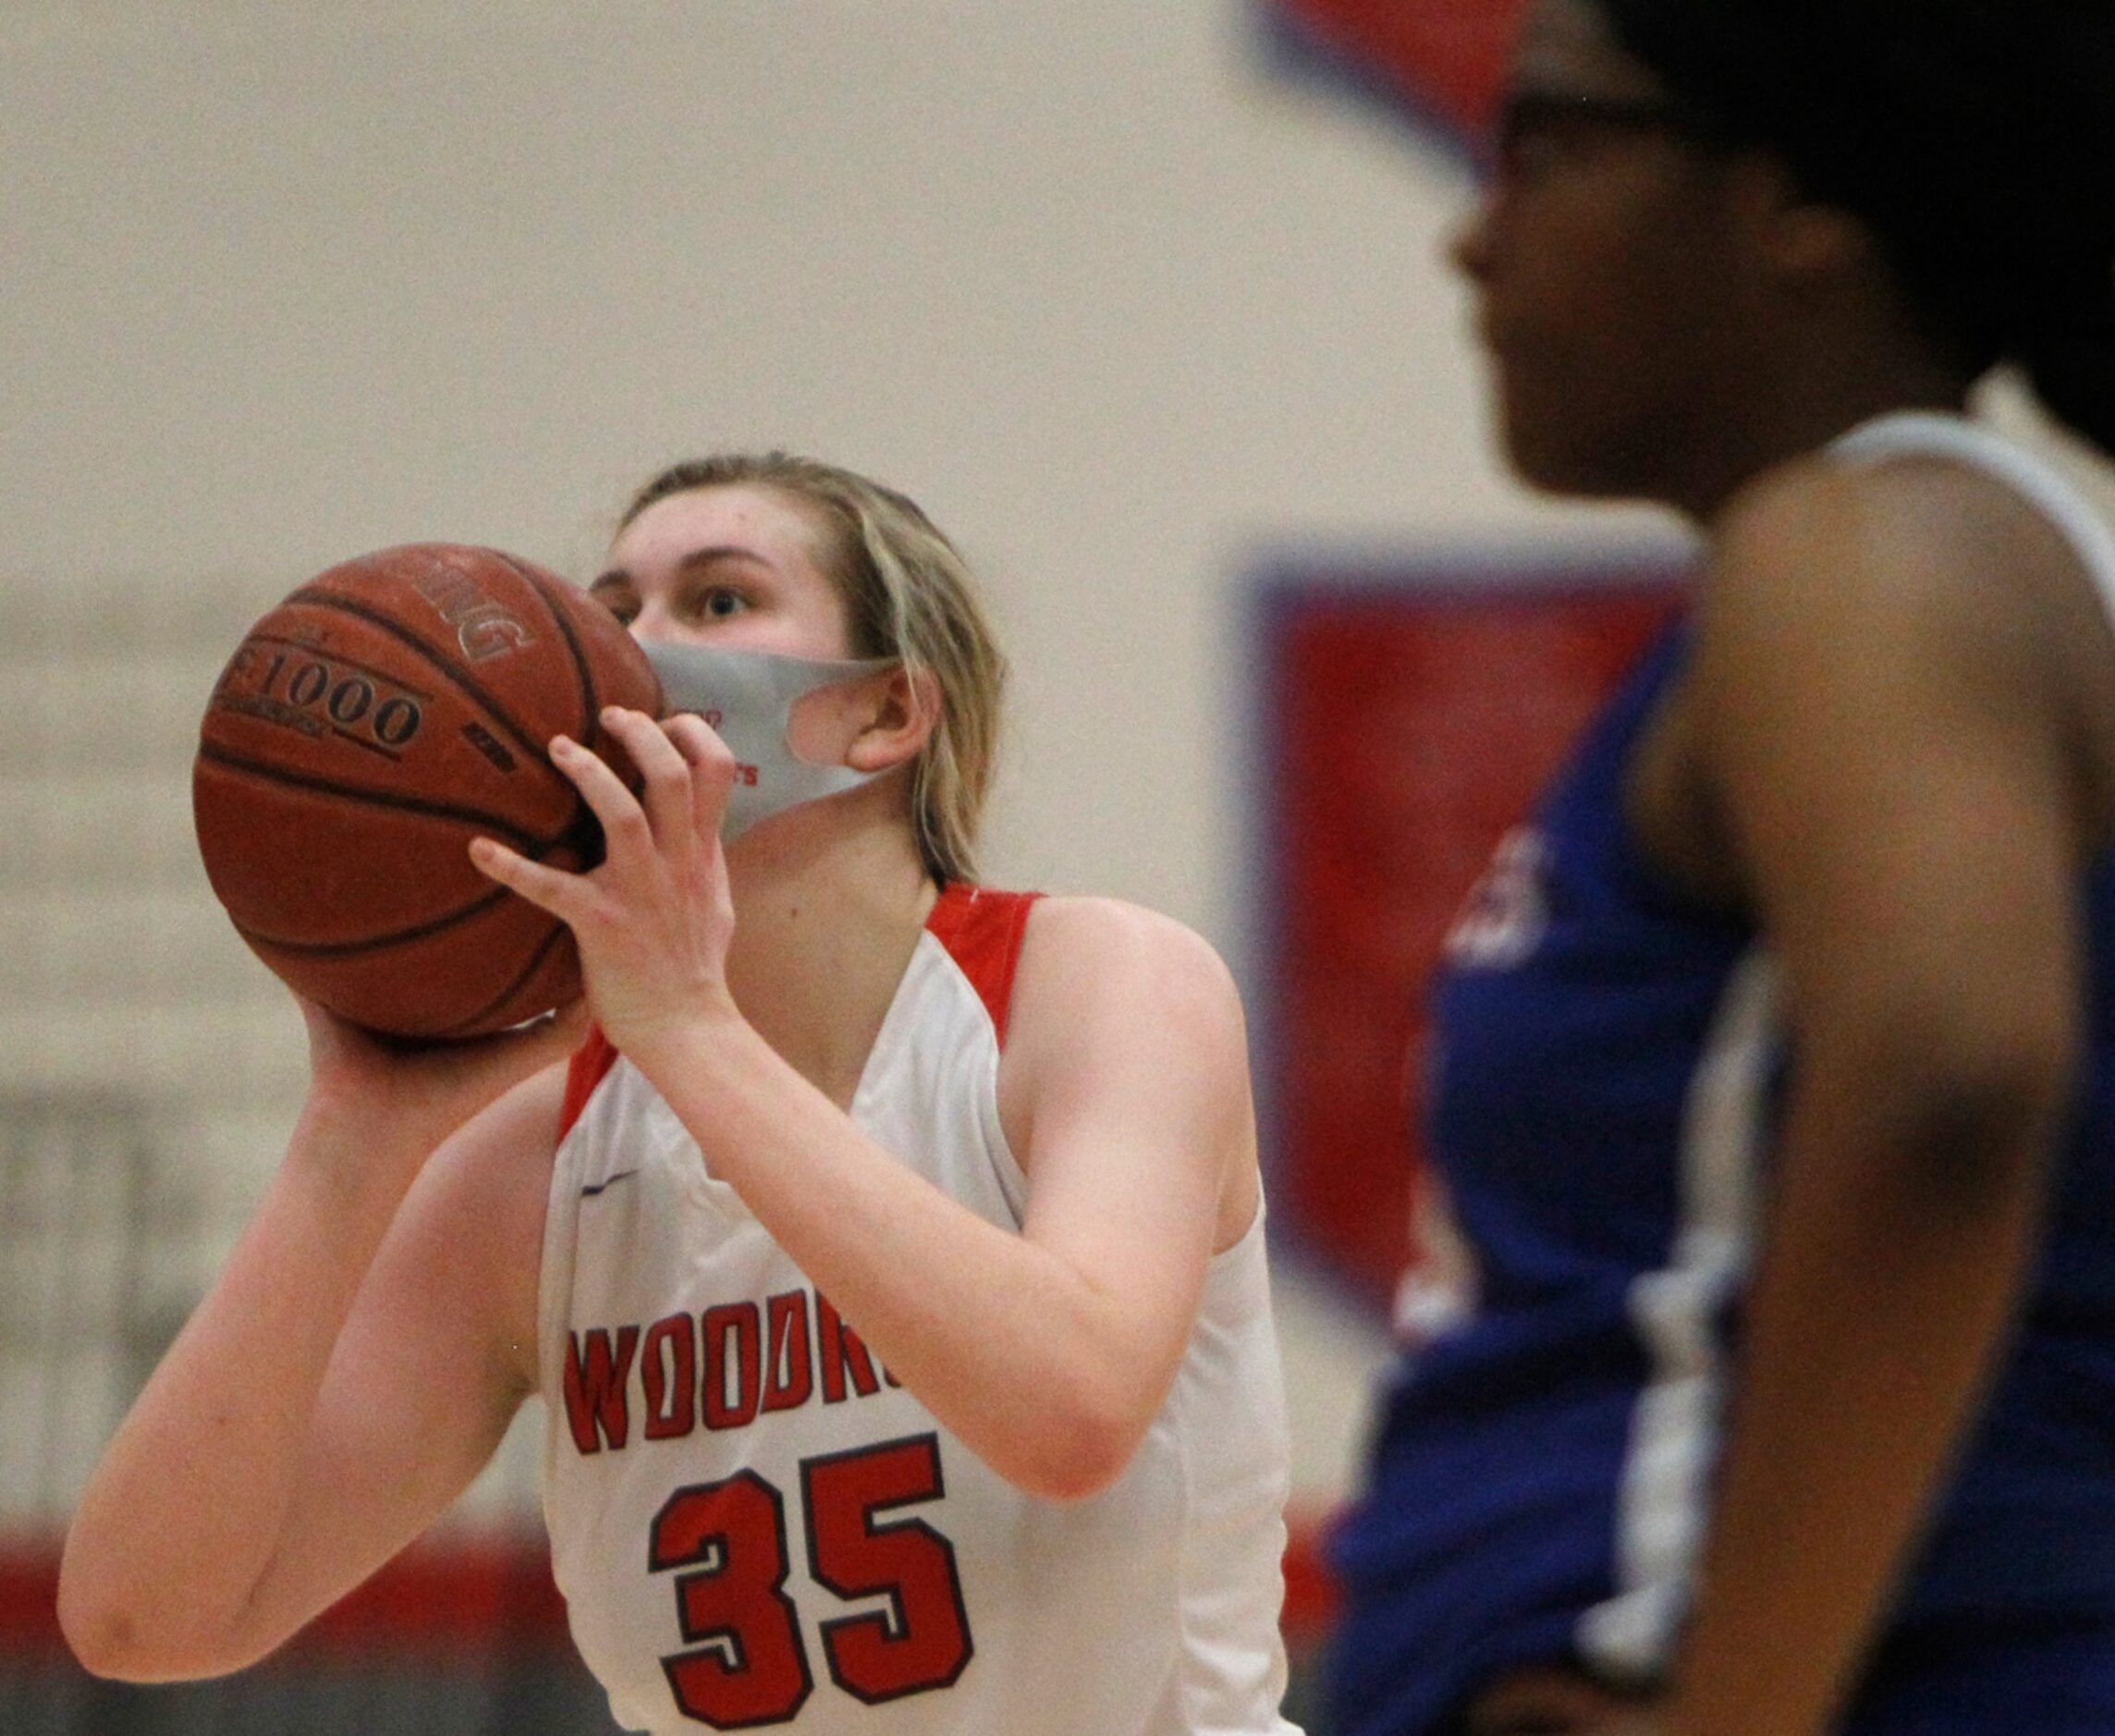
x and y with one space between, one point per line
748 697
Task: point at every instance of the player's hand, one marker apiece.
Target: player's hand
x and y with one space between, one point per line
381 1095
654 919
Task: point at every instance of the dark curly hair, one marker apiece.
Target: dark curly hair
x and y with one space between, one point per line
1974 139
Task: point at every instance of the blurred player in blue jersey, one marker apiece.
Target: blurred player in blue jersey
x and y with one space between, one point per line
1775 1096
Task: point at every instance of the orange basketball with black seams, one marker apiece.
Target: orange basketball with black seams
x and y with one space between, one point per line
364 732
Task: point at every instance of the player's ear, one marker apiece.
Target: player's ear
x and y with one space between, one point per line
899 710
1801 239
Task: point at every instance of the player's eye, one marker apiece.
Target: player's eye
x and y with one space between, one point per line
619 600
1539 131
716 602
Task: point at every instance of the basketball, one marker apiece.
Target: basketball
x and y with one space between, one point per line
364 732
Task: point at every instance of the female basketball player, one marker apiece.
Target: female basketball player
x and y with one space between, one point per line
1783 1125
889 1259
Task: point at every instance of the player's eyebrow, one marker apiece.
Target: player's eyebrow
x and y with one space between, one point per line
719 552
697 558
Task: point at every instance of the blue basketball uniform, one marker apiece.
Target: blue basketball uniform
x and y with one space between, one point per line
1606 1078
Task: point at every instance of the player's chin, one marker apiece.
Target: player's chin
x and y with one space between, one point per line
1556 450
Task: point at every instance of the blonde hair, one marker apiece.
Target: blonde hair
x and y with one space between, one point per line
906 594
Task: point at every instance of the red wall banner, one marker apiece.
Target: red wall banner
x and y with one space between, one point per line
1445 56
1413 717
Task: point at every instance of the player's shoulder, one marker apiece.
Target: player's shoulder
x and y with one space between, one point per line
1109 988
1117 931
1889 597
1107 960
1911 532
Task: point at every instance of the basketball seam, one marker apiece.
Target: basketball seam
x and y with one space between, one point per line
592 735
538 751
395 937
559 933
591 720
529 843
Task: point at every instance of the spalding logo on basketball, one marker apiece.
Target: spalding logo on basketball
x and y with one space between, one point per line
364 732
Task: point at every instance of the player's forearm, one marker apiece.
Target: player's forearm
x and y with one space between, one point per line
1894 1257
1051 1382
181 1520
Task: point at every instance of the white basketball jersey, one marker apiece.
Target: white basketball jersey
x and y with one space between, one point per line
754 1526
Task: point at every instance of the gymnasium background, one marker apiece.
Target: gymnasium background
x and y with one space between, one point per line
1144 303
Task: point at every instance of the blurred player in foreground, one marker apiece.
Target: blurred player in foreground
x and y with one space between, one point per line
890 1257
1776 1093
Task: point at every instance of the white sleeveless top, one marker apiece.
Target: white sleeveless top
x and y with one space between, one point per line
755 1526
1931 434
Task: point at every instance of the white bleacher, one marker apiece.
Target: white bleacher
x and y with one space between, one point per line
90 826
148 1064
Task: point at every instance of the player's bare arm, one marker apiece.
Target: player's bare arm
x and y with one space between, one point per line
349 1374
1049 1351
1895 768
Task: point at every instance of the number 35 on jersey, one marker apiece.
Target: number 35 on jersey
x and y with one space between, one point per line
746 1662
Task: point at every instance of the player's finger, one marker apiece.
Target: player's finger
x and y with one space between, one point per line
624 822
666 796
549 889
712 769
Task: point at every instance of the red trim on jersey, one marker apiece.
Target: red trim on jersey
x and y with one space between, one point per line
982 931
591 1062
